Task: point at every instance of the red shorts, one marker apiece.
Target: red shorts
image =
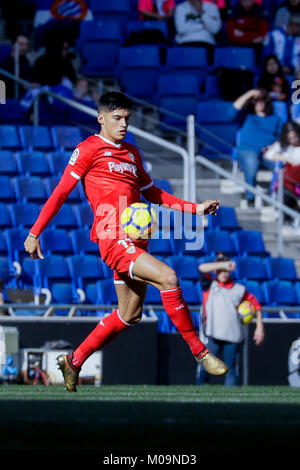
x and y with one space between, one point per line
120 255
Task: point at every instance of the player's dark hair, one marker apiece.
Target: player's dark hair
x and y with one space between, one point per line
113 100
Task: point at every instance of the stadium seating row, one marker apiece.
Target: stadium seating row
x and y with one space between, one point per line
65 231
26 137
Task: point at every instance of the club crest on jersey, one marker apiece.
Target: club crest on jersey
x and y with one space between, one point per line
122 166
74 157
131 156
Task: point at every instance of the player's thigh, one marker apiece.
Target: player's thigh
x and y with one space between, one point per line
131 296
149 269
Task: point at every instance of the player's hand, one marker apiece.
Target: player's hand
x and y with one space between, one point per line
33 247
208 207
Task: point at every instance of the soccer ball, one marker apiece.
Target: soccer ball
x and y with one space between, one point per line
139 220
246 312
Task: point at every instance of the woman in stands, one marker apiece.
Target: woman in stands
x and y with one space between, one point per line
260 127
113 176
273 79
287 151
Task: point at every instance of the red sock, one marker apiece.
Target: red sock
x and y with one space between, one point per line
107 330
179 312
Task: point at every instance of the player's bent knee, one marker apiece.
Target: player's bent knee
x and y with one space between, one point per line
169 279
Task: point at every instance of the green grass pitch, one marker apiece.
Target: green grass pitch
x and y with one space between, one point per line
128 419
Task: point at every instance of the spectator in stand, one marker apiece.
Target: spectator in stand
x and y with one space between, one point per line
21 46
55 67
284 42
285 11
247 25
81 91
260 128
156 9
221 328
273 79
197 24
287 151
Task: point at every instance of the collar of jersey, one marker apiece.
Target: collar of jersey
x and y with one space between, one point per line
108 141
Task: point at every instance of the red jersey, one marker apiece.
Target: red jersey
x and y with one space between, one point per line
113 177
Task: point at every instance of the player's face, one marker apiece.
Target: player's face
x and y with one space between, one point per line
114 124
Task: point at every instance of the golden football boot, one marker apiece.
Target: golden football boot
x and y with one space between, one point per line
211 363
70 374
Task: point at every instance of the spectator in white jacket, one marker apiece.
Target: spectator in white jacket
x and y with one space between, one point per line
196 24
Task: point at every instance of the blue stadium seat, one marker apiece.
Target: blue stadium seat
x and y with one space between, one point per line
282 293
177 84
5 50
86 269
235 57
8 163
107 292
3 246
51 182
5 217
186 59
30 189
7 272
28 272
15 238
251 267
153 296
249 242
56 241
12 113
24 214
225 219
58 161
160 246
66 137
186 267
104 35
36 138
33 163
175 109
281 268
108 31
7 191
189 292
219 240
53 268
91 66
85 215
213 127
65 218
63 293
189 242
138 70
256 288
112 10
9 138
136 26
82 242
